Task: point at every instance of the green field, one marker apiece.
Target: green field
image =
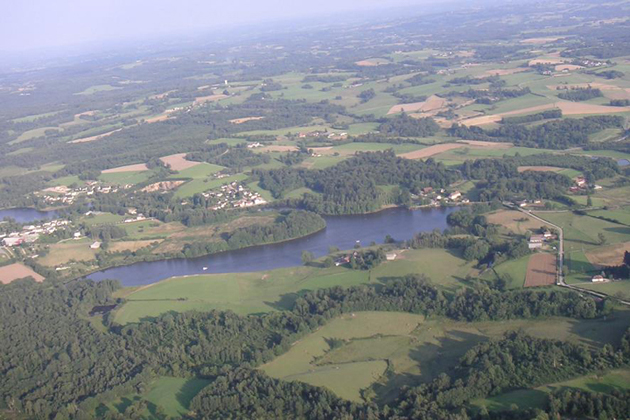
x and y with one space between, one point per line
514 269
201 171
102 219
416 350
536 398
122 178
97 88
243 293
166 395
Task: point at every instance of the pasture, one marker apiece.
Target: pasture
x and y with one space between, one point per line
514 221
64 252
125 177
197 186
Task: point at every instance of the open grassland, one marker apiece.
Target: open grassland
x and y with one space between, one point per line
64 252
125 177
151 229
249 293
243 293
415 350
513 271
9 273
200 171
97 88
347 378
581 232
132 246
173 395
536 398
103 219
514 221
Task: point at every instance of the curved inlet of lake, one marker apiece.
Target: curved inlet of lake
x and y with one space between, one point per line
341 231
623 162
27 215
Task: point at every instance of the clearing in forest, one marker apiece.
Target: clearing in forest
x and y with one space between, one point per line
432 103
541 270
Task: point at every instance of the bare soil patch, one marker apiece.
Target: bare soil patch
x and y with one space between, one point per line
158 118
97 137
431 150
541 270
177 162
546 61
577 108
609 255
12 272
244 120
163 186
539 168
372 62
138 167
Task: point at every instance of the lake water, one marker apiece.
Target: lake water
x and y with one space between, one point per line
623 162
341 231
26 215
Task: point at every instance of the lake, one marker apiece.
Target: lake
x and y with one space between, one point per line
26 215
341 231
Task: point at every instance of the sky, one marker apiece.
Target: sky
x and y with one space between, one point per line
40 24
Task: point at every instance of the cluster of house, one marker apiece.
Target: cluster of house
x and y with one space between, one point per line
254 145
437 197
324 134
525 203
537 241
585 62
581 184
62 195
31 233
234 195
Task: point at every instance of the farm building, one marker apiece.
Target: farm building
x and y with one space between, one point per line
391 256
598 279
95 245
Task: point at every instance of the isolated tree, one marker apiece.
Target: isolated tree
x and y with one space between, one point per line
602 238
307 257
589 201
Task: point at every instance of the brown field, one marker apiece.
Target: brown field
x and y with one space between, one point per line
514 220
11 272
539 41
97 137
278 148
138 167
244 120
608 255
371 62
539 168
163 186
131 245
432 103
158 118
541 270
210 98
431 150
177 162
486 144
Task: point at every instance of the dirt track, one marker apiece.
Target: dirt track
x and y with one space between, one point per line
541 270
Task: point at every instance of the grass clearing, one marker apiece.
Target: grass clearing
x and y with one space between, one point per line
96 89
513 271
124 178
197 186
65 252
243 293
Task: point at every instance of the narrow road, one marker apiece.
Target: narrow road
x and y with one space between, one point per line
560 274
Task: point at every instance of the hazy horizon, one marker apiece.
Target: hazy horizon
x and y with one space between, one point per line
65 23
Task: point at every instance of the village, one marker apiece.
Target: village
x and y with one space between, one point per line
63 195
31 233
234 195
